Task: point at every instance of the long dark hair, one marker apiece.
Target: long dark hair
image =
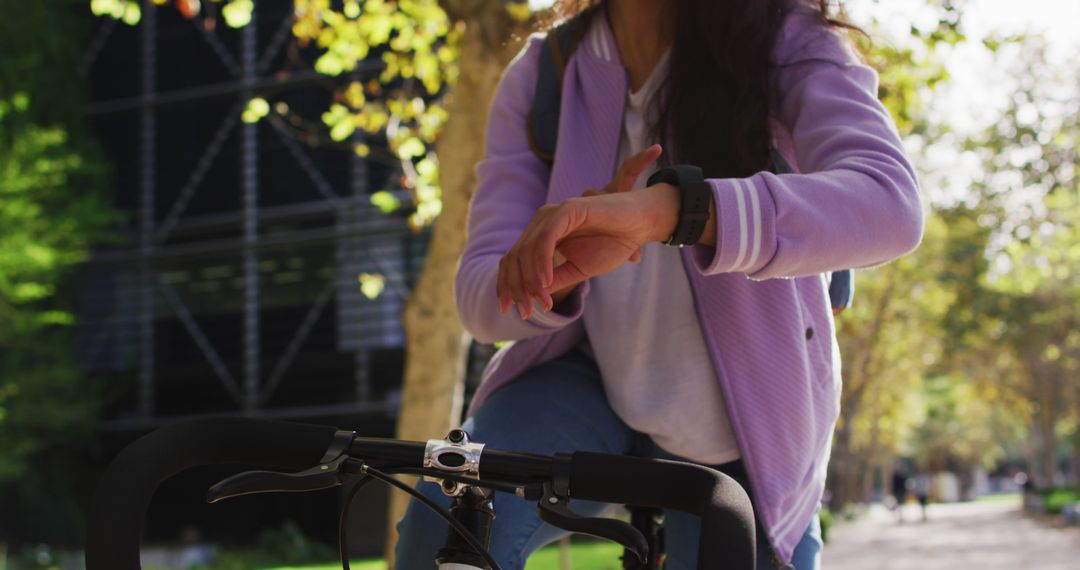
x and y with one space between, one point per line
718 92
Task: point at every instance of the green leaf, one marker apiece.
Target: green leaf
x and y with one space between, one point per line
385 201
60 318
20 101
24 292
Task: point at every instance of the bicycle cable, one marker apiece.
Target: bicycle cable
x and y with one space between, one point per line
343 521
468 536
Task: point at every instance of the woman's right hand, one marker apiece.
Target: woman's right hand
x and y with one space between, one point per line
624 180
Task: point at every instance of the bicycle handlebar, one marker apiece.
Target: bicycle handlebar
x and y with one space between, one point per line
115 526
720 501
114 530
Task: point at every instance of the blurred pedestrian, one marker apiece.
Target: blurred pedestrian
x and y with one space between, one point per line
899 492
921 485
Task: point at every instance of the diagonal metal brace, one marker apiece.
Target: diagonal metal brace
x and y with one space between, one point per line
321 184
297 341
283 33
187 191
219 48
182 312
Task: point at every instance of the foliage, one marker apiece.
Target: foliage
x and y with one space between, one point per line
1056 499
45 230
1030 201
289 545
961 427
828 520
889 340
414 45
51 213
1001 344
284 547
933 363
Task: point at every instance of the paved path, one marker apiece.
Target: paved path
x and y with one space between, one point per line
983 536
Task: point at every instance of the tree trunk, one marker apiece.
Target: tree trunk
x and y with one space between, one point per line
436 344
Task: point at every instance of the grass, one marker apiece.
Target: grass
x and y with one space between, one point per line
376 564
591 555
1000 498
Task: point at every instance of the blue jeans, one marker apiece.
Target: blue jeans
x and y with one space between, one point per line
559 406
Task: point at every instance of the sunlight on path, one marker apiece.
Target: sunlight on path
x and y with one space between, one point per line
987 536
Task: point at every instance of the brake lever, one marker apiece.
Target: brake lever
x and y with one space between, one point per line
555 510
322 476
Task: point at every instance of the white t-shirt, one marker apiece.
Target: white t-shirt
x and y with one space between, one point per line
642 324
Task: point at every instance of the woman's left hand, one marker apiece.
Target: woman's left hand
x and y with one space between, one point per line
595 235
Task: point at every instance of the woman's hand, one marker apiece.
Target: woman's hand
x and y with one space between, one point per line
594 234
622 183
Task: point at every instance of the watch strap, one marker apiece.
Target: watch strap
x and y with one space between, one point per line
696 196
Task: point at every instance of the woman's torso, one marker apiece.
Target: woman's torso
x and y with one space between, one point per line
643 329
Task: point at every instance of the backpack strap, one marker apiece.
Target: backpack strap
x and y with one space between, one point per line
543 123
842 289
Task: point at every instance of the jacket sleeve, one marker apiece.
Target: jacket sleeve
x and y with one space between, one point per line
512 184
856 201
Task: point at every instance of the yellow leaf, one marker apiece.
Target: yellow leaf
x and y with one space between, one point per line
106 7
342 130
237 13
386 202
255 110
519 11
329 64
371 285
132 13
352 9
411 148
354 95
427 168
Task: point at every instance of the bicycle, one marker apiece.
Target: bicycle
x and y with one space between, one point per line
466 470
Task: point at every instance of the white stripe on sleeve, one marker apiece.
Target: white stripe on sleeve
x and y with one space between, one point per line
755 211
741 202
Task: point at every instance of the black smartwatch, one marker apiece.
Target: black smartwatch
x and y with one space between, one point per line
696 198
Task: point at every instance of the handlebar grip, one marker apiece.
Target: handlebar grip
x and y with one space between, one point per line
124 492
727 516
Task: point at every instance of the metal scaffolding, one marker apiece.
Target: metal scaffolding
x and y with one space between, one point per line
197 272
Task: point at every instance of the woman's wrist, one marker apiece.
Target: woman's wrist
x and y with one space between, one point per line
665 200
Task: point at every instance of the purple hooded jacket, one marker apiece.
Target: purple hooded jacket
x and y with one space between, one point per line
760 294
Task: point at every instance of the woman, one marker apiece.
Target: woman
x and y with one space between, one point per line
721 352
